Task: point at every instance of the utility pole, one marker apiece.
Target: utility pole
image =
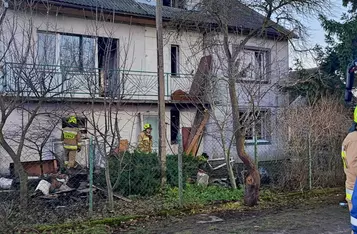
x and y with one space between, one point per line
161 87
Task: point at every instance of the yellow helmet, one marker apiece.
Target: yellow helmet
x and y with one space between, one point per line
72 120
147 126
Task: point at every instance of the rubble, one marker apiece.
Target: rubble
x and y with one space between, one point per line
5 183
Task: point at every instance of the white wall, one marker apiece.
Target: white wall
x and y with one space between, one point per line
130 125
137 47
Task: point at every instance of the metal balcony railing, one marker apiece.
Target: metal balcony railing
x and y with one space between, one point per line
74 82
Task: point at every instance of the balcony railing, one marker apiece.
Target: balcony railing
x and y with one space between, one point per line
74 82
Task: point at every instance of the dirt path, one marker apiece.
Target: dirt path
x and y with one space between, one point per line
321 219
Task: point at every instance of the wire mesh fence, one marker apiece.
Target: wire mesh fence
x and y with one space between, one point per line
302 153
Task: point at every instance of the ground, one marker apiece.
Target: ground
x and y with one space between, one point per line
325 218
316 211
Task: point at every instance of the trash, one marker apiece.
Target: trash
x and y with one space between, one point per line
5 183
264 176
343 204
202 178
44 187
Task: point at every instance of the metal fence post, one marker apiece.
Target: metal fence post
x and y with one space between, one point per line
91 176
180 182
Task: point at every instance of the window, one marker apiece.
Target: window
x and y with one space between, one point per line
174 60
257 126
82 123
46 48
175 125
255 65
77 52
174 3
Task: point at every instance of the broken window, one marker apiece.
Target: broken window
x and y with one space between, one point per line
256 125
82 123
254 65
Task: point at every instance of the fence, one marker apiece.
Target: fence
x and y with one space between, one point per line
301 151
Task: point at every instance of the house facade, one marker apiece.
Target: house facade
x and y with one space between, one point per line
80 57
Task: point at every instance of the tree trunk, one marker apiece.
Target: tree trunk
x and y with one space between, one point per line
23 179
252 178
109 184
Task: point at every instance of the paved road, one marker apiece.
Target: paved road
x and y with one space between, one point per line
306 220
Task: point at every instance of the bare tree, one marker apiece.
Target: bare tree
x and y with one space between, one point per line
27 87
226 37
112 84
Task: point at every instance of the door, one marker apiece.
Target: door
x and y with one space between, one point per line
154 121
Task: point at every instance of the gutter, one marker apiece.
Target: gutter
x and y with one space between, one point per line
79 7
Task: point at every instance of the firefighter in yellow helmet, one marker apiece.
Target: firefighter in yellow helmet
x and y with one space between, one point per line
145 139
71 137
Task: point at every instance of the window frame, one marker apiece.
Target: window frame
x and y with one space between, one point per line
264 128
177 58
38 57
81 67
58 49
264 78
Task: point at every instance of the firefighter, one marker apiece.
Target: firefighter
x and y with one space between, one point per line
145 139
71 141
349 158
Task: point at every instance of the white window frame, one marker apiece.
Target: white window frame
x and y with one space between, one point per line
252 74
58 46
266 135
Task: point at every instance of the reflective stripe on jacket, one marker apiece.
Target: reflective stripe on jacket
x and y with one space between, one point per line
71 138
353 212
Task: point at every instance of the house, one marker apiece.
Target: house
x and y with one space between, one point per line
81 54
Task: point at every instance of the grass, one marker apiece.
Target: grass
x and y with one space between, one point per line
200 195
91 226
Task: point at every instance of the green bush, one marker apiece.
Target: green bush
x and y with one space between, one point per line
139 174
200 195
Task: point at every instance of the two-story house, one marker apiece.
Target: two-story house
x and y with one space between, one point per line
86 54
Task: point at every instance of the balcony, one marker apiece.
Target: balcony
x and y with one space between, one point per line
34 80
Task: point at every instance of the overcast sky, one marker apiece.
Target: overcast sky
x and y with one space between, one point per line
316 33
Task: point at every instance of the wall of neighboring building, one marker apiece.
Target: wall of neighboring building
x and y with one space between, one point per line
131 118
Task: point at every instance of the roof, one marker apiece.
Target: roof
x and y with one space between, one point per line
239 15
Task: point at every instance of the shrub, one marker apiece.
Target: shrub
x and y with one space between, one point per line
139 174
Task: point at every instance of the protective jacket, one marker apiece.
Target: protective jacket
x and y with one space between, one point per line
71 138
145 143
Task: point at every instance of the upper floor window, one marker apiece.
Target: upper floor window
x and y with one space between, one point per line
75 51
174 60
254 65
46 48
174 3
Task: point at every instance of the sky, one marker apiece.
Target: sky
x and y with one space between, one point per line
315 31
317 34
